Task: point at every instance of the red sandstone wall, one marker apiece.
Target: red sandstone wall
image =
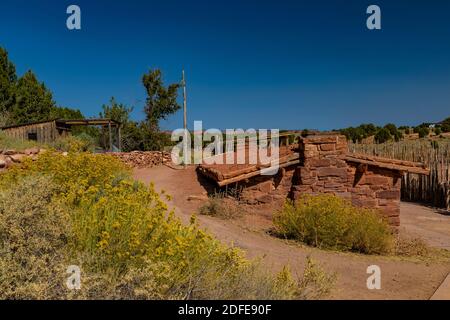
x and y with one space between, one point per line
376 188
324 170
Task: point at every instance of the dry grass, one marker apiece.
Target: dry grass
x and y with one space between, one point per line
221 206
411 247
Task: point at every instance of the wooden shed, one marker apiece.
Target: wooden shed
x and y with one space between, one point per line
51 130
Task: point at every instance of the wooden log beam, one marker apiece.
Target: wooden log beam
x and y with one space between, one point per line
253 174
390 166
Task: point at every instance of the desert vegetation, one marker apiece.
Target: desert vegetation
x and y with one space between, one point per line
390 132
222 205
327 221
84 209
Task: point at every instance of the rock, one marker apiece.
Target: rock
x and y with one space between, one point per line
8 161
327 147
375 180
266 186
197 198
65 154
30 151
332 172
389 194
2 162
17 158
140 159
10 152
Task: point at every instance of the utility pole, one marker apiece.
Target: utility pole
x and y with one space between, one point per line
184 102
184 118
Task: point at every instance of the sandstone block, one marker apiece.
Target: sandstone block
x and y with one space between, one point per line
30 151
266 186
17 158
364 202
375 180
388 194
332 172
328 147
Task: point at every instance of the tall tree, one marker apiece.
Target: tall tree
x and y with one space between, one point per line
161 101
8 81
65 113
34 100
116 111
131 135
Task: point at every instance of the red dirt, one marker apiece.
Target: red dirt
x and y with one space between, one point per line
401 278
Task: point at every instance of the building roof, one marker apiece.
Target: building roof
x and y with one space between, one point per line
387 163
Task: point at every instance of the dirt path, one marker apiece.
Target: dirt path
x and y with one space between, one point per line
401 278
432 225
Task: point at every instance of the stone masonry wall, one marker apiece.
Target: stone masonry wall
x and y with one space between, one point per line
268 189
323 169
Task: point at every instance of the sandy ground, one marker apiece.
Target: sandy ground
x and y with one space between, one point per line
402 278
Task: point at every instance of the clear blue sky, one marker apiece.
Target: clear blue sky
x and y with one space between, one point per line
260 64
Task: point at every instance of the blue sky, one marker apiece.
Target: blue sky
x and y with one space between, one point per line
249 63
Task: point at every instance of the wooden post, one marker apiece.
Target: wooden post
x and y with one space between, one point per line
120 137
110 137
184 103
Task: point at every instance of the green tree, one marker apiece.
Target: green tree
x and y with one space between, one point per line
445 125
8 81
65 113
395 133
132 135
34 102
161 101
391 127
437 131
116 111
305 133
383 135
423 132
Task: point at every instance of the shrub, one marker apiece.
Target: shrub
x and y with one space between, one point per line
327 221
220 206
437 131
383 135
34 232
80 143
411 246
87 211
422 130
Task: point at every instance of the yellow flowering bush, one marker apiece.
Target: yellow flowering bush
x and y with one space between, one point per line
327 221
129 244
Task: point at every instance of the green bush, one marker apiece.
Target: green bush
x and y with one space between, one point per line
383 135
437 131
327 221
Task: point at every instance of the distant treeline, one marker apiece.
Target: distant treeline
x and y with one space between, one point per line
391 132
